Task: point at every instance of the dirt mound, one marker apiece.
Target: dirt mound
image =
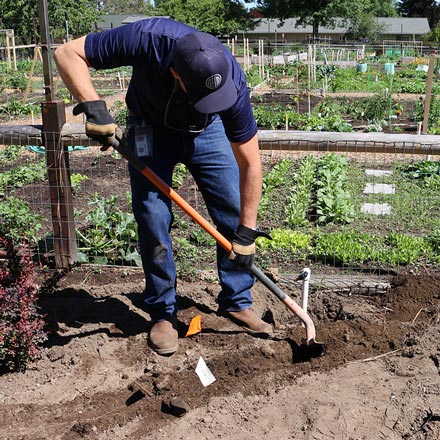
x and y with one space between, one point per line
97 378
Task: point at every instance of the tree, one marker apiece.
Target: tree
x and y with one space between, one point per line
218 17
22 17
382 8
363 27
315 13
325 12
126 7
361 21
421 8
434 35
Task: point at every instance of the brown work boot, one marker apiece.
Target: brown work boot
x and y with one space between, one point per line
163 338
249 320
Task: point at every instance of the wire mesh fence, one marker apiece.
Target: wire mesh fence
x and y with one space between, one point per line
360 203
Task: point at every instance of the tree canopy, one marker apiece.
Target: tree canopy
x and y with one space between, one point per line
218 17
356 13
421 8
126 7
22 16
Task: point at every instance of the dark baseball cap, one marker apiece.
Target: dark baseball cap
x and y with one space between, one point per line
202 63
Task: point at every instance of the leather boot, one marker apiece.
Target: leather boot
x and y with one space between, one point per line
248 319
164 338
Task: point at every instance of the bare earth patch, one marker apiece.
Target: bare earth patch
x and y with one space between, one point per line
98 379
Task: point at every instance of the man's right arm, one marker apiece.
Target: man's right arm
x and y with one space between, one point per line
73 68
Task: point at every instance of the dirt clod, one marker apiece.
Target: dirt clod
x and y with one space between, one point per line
178 407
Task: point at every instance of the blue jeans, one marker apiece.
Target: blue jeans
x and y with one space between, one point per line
209 158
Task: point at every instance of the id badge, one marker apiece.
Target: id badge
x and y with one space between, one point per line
143 138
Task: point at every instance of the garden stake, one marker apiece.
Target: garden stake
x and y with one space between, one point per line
309 347
304 276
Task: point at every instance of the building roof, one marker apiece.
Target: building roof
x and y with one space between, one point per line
404 25
391 26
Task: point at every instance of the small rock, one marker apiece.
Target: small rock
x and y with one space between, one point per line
162 384
82 429
273 273
55 354
267 351
178 407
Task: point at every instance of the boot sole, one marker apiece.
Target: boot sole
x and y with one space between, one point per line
164 351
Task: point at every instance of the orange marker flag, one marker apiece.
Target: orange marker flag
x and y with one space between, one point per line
195 326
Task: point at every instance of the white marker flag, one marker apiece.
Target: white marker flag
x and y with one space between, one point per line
204 373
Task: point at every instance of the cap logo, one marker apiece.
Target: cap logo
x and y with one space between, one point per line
214 81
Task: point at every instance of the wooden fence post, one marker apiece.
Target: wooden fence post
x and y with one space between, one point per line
64 239
428 94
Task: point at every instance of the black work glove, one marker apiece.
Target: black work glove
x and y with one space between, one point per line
243 246
100 125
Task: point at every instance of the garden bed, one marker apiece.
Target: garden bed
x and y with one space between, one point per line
97 378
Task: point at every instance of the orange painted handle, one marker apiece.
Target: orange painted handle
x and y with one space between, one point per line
173 195
176 198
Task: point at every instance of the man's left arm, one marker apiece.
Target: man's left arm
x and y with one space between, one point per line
247 155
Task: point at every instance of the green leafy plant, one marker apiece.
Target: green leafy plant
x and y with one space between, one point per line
354 247
119 112
16 108
376 108
345 247
272 117
427 171
333 201
65 95
186 254
286 239
405 249
18 221
272 180
22 175
10 153
18 81
75 181
110 236
420 169
301 197
179 174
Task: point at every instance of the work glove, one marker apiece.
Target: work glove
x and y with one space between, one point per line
100 125
243 246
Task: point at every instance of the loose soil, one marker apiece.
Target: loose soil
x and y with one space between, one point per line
97 378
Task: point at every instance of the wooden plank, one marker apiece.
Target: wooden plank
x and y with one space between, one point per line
74 135
349 142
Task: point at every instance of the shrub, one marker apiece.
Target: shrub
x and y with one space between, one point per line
21 326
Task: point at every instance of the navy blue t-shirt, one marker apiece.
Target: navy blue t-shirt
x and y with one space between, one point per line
147 46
